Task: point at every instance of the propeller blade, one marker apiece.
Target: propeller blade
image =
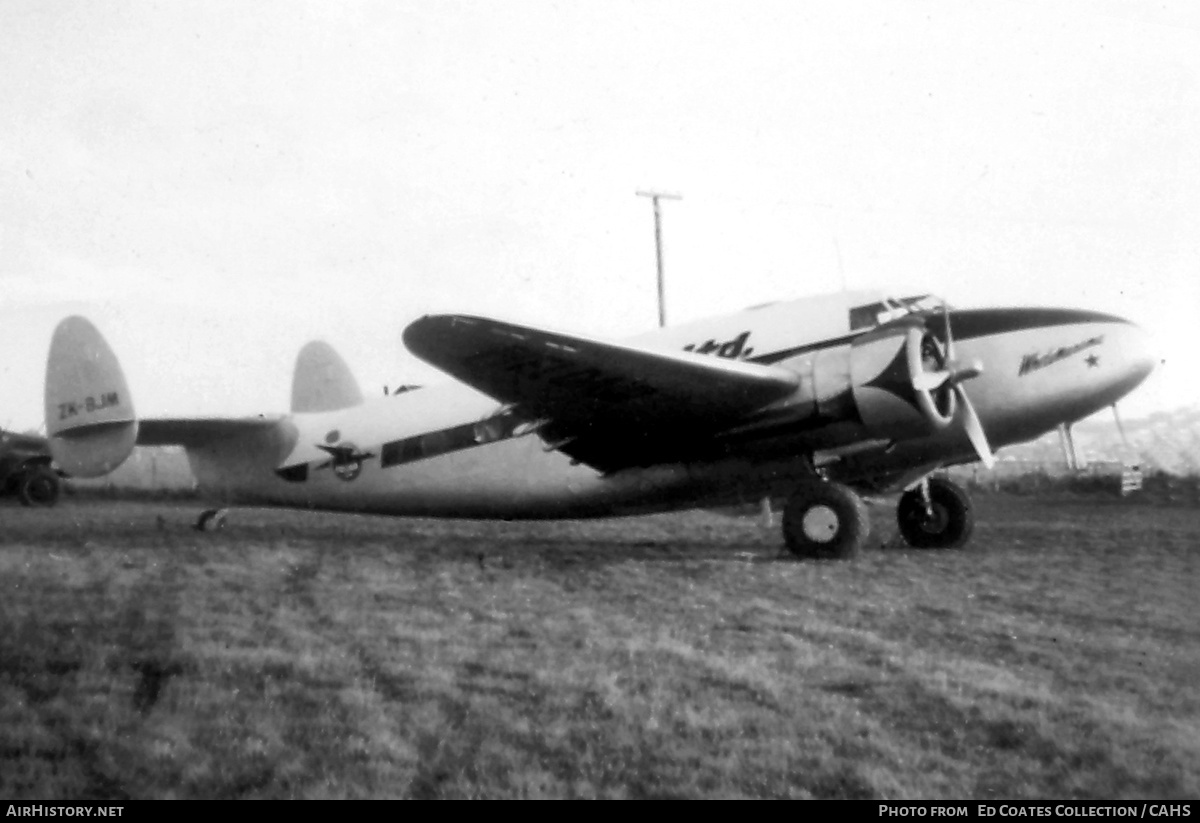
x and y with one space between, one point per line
955 376
974 429
930 380
967 371
949 334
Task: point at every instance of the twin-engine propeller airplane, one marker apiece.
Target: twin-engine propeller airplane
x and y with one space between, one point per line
816 400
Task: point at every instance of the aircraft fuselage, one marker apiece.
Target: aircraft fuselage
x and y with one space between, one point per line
449 451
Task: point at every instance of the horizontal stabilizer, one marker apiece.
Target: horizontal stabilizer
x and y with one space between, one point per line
196 432
90 420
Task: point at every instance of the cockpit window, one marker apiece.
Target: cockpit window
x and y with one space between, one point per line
864 317
875 314
926 302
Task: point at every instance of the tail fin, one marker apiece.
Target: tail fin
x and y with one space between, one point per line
89 413
322 381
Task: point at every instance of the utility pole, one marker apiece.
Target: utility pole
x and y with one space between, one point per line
655 196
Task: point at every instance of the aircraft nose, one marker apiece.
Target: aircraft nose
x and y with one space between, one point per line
1137 353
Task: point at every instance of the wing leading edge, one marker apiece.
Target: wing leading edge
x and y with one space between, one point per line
606 404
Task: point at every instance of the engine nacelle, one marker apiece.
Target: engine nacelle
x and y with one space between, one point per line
883 364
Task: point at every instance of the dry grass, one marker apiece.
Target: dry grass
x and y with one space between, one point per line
307 655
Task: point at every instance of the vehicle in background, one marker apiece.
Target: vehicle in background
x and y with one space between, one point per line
26 469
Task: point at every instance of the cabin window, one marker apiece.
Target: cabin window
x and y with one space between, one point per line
434 443
491 430
865 317
401 451
459 437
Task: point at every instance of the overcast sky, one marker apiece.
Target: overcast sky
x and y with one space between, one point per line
216 183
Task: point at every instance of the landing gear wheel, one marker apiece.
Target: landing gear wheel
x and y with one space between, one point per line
947 522
38 487
825 520
211 520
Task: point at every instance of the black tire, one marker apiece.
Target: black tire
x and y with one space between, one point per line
38 486
952 519
825 521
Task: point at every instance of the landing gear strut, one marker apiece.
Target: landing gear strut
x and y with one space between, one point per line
825 520
935 515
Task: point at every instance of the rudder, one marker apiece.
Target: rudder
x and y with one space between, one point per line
90 419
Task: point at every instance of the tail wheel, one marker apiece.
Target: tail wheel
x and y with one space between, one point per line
38 487
946 523
825 520
211 520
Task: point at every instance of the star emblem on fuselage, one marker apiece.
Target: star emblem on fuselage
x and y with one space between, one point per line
1092 360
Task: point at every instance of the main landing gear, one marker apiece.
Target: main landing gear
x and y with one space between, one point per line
826 520
935 515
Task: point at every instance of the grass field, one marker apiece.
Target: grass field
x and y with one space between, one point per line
309 655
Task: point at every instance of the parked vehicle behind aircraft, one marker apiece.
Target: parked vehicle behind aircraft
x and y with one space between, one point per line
26 469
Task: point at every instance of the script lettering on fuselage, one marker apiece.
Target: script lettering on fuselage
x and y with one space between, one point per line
1035 361
87 405
733 349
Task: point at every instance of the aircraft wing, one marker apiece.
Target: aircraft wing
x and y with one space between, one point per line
606 404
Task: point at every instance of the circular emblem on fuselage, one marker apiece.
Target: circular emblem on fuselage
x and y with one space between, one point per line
348 468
